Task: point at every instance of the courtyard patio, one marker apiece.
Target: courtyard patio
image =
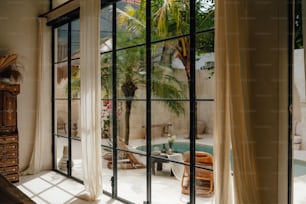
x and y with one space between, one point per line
166 188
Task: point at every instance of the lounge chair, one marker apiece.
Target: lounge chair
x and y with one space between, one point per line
204 180
126 160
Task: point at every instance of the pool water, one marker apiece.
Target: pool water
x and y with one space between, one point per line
179 147
299 167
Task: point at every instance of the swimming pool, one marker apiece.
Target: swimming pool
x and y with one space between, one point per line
299 167
180 147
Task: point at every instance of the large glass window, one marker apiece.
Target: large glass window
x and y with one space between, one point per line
66 100
157 83
155 106
298 162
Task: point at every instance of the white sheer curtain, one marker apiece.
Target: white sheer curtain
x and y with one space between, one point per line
232 119
90 97
41 157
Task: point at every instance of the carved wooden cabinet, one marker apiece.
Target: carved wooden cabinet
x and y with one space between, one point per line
8 132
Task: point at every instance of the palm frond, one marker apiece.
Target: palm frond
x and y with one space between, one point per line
165 90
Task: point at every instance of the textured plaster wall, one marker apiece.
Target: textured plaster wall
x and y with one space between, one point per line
18 21
162 115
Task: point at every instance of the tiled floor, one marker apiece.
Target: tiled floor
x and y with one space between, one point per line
51 187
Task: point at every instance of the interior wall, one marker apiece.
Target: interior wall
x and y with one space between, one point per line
18 20
268 24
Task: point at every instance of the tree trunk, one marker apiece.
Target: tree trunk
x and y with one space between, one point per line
128 89
186 62
128 107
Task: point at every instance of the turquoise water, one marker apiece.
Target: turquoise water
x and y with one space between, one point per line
299 167
180 147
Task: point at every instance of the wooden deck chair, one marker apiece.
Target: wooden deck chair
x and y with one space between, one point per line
204 180
127 160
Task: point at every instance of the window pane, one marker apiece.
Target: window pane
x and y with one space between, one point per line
169 18
205 13
169 129
106 75
106 119
61 80
131 73
106 23
76 158
75 39
131 177
61 117
75 79
107 171
130 24
61 154
61 43
205 65
170 62
166 182
205 116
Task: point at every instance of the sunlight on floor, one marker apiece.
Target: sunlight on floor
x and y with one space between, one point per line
51 187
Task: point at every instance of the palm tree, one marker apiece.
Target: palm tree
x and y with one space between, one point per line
131 76
171 18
